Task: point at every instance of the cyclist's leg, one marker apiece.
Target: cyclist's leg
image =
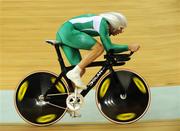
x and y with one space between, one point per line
80 40
76 72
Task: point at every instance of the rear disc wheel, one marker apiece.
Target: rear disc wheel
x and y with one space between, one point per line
31 104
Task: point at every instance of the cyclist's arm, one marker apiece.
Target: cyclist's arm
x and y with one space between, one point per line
106 41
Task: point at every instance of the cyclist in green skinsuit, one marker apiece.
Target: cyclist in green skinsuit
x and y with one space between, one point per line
78 32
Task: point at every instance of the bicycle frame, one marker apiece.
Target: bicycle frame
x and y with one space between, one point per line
106 65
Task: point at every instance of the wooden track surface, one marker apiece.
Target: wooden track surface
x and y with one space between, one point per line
147 126
25 24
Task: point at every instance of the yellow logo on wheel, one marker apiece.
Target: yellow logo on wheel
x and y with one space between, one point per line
140 85
46 118
126 116
22 90
104 88
59 85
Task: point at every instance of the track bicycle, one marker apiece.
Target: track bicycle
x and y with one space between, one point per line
122 96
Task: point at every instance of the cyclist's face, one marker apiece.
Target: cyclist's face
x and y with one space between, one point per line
116 32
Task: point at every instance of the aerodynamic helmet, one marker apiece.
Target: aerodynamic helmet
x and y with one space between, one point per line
115 19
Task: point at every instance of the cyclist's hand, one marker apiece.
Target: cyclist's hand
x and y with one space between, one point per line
134 47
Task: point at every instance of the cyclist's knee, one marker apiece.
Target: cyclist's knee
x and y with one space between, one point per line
99 47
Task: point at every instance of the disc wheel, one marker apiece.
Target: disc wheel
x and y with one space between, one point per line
123 108
30 103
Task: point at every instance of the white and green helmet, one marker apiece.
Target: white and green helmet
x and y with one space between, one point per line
115 19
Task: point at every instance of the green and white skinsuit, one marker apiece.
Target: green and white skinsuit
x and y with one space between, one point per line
78 32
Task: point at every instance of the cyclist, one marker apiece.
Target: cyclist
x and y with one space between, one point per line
79 32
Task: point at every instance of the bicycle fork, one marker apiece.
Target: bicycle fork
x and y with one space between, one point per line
123 92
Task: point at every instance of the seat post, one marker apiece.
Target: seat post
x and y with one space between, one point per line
60 59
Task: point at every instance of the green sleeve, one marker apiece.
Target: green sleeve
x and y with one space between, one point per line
106 41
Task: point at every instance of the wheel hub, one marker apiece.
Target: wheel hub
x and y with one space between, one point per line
40 101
